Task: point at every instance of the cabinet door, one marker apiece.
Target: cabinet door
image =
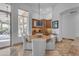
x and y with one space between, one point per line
48 23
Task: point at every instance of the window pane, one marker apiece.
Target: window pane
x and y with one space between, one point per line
25 20
5 22
22 21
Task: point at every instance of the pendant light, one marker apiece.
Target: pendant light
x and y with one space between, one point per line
39 11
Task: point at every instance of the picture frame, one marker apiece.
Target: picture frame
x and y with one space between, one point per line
55 24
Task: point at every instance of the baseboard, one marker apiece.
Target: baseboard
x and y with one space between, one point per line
18 44
65 37
68 37
28 49
13 45
4 47
77 37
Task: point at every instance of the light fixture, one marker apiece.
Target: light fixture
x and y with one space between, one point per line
39 10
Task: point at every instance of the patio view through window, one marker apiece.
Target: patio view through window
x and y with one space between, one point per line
5 23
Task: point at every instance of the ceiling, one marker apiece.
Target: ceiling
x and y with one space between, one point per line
71 11
44 9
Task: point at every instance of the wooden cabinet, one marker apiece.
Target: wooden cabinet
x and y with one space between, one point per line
48 23
44 29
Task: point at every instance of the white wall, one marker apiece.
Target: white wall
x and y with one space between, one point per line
77 24
59 8
69 26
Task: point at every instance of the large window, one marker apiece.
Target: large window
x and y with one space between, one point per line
4 22
22 22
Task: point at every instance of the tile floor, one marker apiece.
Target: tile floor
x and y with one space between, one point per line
66 47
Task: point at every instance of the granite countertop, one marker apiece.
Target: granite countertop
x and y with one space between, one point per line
43 37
